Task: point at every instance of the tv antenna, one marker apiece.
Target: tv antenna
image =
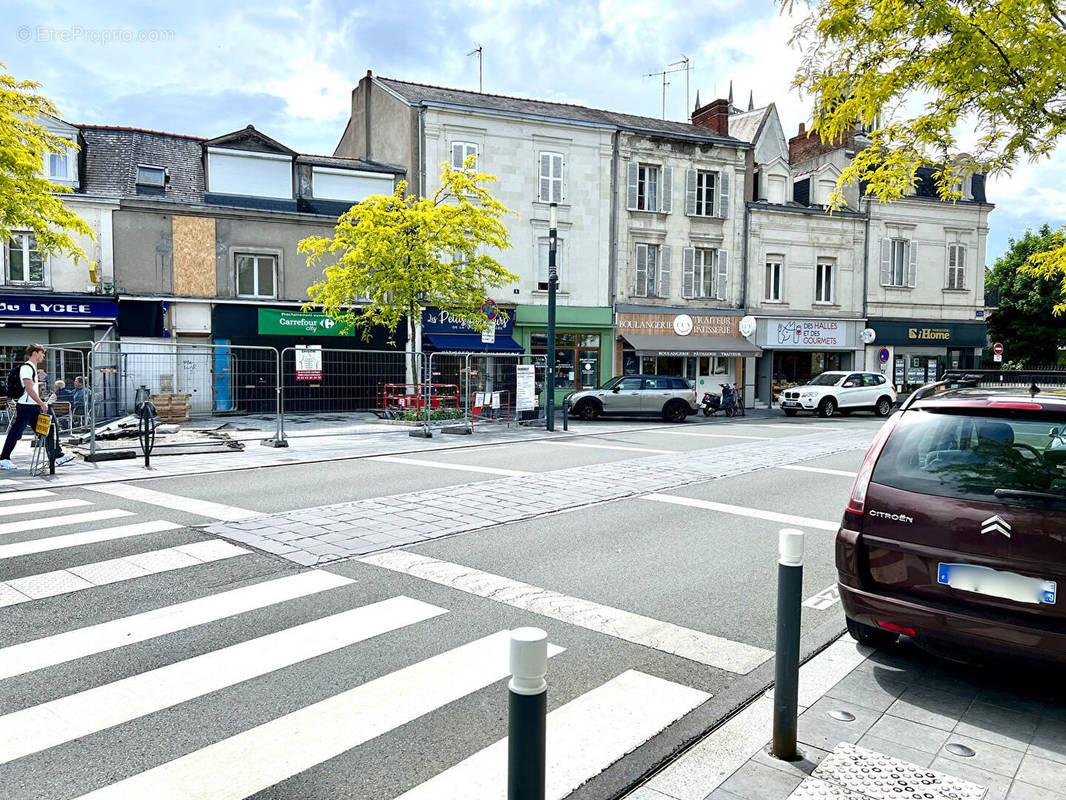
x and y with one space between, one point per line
684 65
480 53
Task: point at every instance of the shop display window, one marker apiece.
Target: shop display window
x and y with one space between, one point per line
577 358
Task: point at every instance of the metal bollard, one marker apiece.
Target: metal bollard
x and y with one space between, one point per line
566 416
786 679
527 714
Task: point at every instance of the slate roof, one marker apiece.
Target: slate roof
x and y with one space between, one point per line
747 124
112 155
418 93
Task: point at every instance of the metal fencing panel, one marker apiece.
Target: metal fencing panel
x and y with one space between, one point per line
491 386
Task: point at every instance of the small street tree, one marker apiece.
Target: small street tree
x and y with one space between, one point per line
1025 321
397 254
997 67
28 200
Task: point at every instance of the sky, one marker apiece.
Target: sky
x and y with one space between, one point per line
208 68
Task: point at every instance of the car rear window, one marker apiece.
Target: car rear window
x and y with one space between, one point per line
987 458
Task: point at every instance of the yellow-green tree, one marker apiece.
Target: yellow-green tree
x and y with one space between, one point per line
28 200
396 254
916 73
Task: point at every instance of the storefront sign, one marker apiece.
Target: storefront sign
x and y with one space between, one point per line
929 333
525 390
679 324
817 333
56 308
309 363
273 322
438 320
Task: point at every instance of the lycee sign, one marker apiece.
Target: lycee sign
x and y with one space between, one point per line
55 307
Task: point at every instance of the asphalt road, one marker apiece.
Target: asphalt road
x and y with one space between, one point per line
702 560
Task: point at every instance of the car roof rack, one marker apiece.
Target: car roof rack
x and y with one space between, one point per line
1029 380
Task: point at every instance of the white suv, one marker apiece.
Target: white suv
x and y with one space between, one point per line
840 391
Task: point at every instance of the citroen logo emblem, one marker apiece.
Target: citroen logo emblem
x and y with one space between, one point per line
996 524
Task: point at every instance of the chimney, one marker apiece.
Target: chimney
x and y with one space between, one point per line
714 115
803 129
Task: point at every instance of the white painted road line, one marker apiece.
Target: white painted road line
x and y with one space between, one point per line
47 523
30 494
419 462
585 736
612 447
249 762
704 767
712 435
85 537
820 470
87 576
67 718
703 648
191 505
827 598
755 513
51 650
36 508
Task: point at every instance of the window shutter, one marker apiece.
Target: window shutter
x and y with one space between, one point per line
542 261
721 283
457 155
688 271
723 194
631 185
886 262
668 190
559 175
642 270
545 178
960 267
912 262
664 271
690 192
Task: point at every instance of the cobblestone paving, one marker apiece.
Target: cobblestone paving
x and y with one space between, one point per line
320 535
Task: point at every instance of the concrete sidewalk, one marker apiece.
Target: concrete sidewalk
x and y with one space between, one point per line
896 723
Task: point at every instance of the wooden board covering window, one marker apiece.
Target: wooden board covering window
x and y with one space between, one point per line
194 256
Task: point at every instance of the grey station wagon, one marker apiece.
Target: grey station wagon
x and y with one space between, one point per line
668 397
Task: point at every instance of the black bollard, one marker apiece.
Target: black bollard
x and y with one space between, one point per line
566 415
789 605
527 714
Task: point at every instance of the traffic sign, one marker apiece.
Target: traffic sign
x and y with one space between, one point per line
490 309
997 348
883 354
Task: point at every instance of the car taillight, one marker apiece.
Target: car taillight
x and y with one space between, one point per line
891 626
854 509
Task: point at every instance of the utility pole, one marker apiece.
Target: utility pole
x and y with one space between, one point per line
480 54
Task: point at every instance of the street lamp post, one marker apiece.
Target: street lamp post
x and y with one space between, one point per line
553 286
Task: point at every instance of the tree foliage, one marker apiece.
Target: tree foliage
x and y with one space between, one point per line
1025 322
396 254
28 200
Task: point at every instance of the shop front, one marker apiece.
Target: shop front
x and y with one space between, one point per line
705 347
911 353
795 349
63 323
583 336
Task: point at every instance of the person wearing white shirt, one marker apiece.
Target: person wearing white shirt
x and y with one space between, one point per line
27 407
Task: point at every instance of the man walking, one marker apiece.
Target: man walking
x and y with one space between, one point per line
27 407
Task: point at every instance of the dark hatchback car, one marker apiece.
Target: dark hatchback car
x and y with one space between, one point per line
955 532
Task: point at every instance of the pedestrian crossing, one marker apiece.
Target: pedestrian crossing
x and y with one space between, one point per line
95 696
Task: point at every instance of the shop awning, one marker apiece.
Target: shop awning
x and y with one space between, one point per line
722 346
471 343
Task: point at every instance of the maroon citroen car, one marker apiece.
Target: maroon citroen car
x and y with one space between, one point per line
955 532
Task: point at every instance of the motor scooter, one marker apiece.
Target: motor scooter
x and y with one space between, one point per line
710 404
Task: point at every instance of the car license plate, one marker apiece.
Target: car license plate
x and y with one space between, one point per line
996 583
789 403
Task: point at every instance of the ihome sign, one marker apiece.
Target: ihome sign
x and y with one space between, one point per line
929 334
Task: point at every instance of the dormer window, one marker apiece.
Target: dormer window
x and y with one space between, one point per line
60 166
249 173
155 177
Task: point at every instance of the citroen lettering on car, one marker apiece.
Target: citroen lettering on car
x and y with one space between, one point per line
891 516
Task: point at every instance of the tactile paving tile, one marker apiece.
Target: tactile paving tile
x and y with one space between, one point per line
9 597
117 569
817 789
882 777
49 584
163 560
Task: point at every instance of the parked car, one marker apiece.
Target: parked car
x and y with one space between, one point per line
955 527
664 396
830 392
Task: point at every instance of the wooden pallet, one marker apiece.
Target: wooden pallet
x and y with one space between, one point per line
173 407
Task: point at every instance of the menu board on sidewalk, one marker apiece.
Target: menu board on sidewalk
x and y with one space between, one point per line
525 391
